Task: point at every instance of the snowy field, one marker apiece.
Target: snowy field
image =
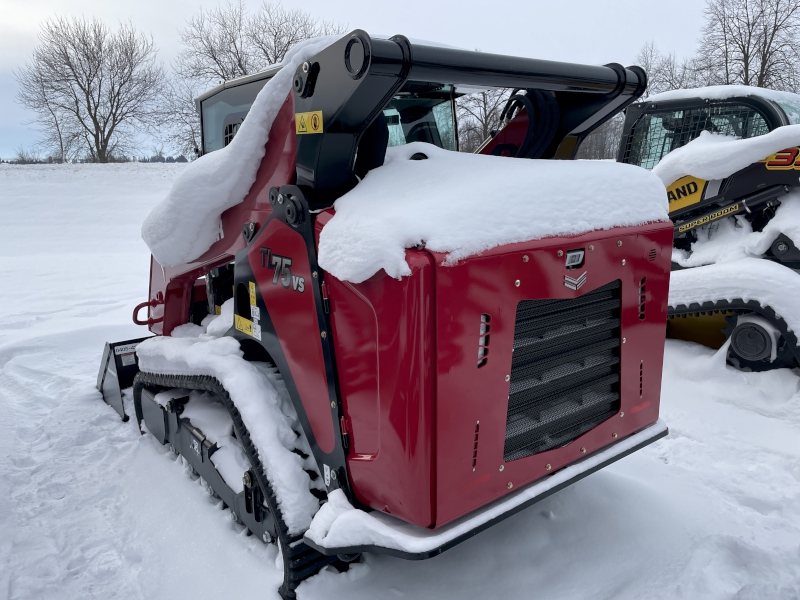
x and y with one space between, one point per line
90 509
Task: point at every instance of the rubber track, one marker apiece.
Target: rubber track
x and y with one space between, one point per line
737 304
299 560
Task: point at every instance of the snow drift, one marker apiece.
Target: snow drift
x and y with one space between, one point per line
185 224
463 204
338 524
717 156
769 283
255 390
734 238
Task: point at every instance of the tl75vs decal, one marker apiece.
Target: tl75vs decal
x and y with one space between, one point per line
282 265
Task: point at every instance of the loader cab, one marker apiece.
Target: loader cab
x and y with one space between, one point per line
419 112
655 128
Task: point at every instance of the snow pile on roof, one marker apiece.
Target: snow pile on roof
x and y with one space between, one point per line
464 204
717 156
788 101
186 223
265 406
734 238
339 525
768 283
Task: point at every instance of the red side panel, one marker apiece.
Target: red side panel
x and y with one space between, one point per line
277 169
294 317
384 339
407 362
472 402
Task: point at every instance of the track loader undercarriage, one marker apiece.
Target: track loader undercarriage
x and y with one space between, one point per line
255 506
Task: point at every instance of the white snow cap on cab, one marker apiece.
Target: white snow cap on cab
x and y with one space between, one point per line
717 156
186 223
787 100
464 204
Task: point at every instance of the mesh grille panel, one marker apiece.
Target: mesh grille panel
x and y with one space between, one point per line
565 370
658 133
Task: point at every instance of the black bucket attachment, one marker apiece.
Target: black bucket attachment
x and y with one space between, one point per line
117 370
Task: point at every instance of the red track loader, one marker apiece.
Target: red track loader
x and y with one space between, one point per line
440 402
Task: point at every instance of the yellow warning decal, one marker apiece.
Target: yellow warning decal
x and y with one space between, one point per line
217 309
252 294
785 160
685 192
243 325
723 212
308 122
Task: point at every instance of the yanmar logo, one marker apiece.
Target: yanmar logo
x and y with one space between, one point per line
575 283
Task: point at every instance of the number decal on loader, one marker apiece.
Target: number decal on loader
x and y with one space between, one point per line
282 266
785 160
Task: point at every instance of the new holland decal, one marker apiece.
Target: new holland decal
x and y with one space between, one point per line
685 192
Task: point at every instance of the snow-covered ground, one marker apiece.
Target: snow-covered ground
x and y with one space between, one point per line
89 509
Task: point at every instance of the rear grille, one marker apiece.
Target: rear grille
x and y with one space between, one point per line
565 370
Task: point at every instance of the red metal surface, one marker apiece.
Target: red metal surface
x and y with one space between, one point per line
277 169
466 394
383 331
294 317
513 133
406 348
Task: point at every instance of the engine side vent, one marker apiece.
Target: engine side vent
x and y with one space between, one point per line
641 378
642 297
652 255
475 445
564 371
483 341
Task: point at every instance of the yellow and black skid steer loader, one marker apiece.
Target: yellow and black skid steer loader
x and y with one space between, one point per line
731 198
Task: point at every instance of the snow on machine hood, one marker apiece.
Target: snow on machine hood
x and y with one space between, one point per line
717 156
464 204
186 223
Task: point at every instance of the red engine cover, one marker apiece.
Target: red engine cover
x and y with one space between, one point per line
407 354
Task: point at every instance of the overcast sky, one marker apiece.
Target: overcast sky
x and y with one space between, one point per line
587 31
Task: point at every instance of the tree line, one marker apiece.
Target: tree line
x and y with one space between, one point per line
94 92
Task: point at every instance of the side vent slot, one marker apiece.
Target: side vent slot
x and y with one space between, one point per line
641 379
652 255
483 341
475 445
642 297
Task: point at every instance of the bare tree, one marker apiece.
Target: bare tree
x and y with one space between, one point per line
479 117
180 123
225 43
603 142
216 45
752 42
228 42
89 86
273 30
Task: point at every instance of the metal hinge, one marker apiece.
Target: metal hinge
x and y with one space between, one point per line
344 423
326 303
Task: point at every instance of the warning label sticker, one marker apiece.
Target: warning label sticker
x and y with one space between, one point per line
243 325
308 122
128 359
